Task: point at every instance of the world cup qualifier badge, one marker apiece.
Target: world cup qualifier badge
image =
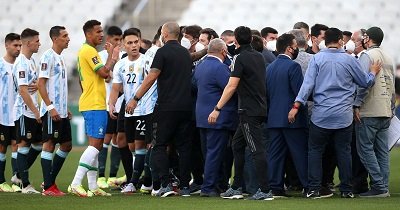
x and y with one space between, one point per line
21 74
95 60
2 137
44 66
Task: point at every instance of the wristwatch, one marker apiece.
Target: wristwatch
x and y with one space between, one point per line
217 109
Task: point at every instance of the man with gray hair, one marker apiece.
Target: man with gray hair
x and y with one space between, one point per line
303 58
211 77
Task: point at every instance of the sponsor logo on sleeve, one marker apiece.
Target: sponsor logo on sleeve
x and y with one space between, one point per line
21 74
95 60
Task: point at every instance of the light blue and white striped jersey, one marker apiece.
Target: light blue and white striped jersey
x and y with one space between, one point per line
103 56
24 72
130 75
7 93
52 67
150 97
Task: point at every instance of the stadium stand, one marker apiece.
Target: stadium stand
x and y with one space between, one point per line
281 15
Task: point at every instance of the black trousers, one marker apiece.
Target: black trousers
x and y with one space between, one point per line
250 133
172 127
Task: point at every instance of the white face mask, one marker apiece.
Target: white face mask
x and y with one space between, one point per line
350 46
185 42
199 46
271 45
161 41
322 45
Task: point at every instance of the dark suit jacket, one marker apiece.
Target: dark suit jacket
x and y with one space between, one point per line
211 77
284 79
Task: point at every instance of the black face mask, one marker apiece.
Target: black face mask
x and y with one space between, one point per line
295 53
363 44
231 49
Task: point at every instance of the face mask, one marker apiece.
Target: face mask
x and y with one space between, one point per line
350 46
231 49
364 45
161 41
321 45
199 46
271 45
185 42
295 53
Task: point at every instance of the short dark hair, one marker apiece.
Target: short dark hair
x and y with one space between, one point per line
333 35
375 34
284 41
90 24
257 43
55 31
28 33
11 37
243 35
227 33
347 33
192 30
147 42
131 31
210 33
114 31
300 25
317 28
255 32
157 35
267 30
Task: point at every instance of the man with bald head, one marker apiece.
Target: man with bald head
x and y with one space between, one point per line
211 77
172 68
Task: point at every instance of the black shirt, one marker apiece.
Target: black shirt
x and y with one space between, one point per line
310 51
249 66
174 81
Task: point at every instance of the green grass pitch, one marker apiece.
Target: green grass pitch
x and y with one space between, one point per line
13 201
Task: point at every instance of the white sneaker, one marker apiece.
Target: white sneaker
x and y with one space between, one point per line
29 190
146 190
129 188
154 192
16 180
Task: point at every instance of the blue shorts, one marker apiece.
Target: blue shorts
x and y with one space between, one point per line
95 123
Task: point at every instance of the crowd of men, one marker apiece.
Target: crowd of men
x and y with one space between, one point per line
180 112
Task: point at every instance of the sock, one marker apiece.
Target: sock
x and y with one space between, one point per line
115 158
138 166
92 176
14 162
34 151
46 160
85 163
126 157
58 162
23 165
147 172
2 167
133 159
102 160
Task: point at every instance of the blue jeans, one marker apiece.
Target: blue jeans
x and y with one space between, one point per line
372 146
319 138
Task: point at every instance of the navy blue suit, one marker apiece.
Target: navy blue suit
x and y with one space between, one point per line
284 79
211 77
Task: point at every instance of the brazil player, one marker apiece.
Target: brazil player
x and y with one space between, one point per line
26 108
128 74
92 105
7 99
53 88
114 36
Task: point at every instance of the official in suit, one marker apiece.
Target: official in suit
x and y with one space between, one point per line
284 79
211 77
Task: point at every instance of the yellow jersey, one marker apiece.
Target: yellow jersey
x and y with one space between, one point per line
94 89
